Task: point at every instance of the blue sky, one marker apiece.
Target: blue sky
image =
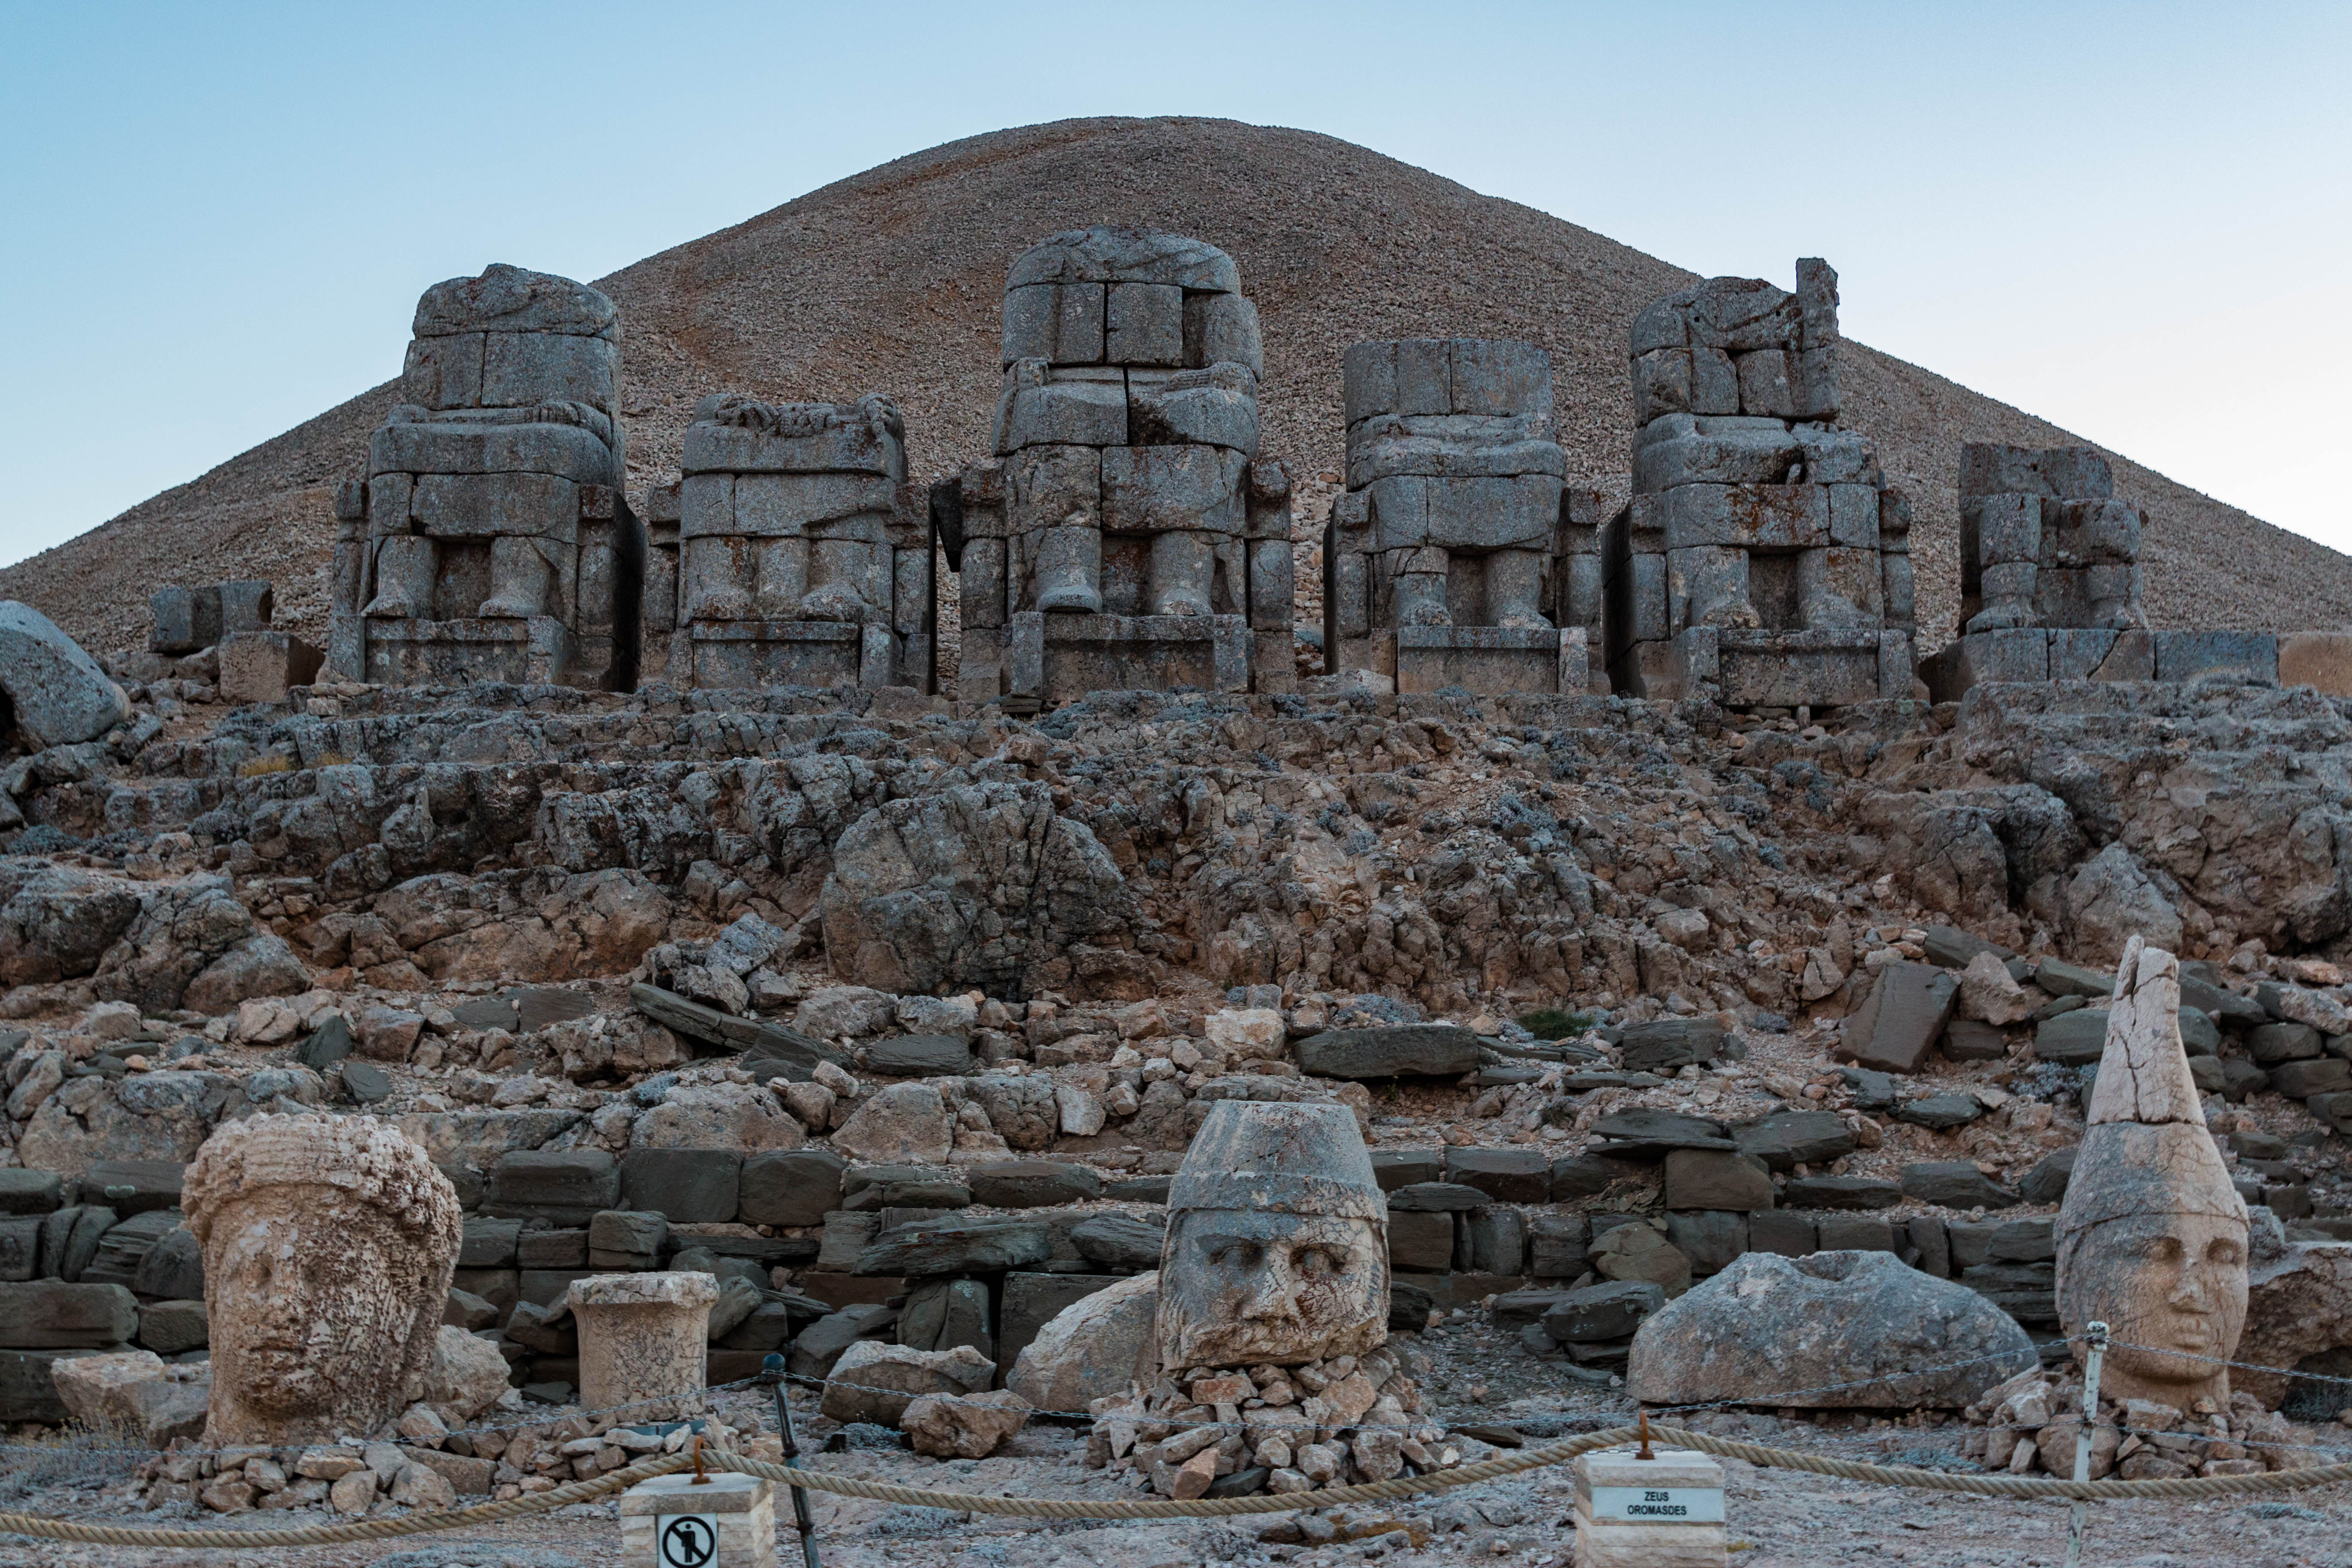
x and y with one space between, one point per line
2135 220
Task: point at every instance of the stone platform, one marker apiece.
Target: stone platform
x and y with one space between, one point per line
1835 669
1061 658
2321 661
1490 661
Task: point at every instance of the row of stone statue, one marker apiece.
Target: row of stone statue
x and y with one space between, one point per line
1126 532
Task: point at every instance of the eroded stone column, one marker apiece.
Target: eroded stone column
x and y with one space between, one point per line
643 1338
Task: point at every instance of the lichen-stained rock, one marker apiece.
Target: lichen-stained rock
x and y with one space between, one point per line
181 930
57 694
1768 1326
146 1116
905 1121
742 1117
536 926
972 886
875 1383
57 923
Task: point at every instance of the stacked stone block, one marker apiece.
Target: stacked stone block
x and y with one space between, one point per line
2044 541
1763 561
1439 559
488 540
794 551
189 620
1125 533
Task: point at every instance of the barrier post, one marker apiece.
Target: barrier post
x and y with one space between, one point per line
773 1369
2096 1334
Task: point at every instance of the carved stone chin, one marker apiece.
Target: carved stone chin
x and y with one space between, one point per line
329 1245
1277 1241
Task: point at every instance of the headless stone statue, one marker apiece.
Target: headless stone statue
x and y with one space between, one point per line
2152 1235
329 1242
1277 1241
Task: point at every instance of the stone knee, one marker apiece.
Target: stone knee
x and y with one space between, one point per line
780 577
714 586
842 586
519 574
1515 589
1711 583
404 566
1069 568
1182 571
1821 603
2009 592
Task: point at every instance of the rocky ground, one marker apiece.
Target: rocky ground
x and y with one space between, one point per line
904 947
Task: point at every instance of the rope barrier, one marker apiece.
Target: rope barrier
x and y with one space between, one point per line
1401 1487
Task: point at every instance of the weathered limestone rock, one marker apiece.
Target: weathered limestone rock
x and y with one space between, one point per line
1125 536
1763 561
1400 1050
1902 1018
2298 1304
2152 1236
1277 1249
1455 558
329 1244
488 539
975 885
1768 1323
641 1339
965 1425
57 694
1096 1346
464 1376
791 553
874 1382
131 1396
904 1121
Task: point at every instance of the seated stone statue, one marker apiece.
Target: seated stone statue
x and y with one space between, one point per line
1277 1241
329 1244
2152 1236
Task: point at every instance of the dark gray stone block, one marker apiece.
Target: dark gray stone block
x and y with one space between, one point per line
689 1185
920 1055
2046 1183
1401 1050
1902 1018
1839 1192
1420 1242
1856 1232
30 1191
1649 1134
1787 1138
967 1246
1779 1230
569 1186
1120 1241
135 1186
789 1186
1954 1184
1396 1168
2073 1039
1599 1313
1031 1183
1438 1197
1513 1175
1664 1045
52 1314
1941 1111
1710 1238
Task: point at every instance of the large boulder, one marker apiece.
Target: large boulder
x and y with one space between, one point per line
972 885
1397 1050
905 1121
57 694
731 1116
2298 1304
963 1427
146 1116
57 923
1096 1346
543 927
2111 899
133 1397
1782 1330
194 944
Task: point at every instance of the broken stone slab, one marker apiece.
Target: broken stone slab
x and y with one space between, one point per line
1787 1138
1033 1183
1954 1184
1940 1112
2063 979
1511 1175
1650 1134
875 1383
1901 1020
1971 1040
967 1246
1440 1197
1705 1179
1767 1324
2046 1183
794 1054
966 1427
2303 1080
1397 1168
920 1055
1401 1051
1601 1312
58 694
1120 1241
1664 1045
132 1396
1097 1345
1839 1192
53 1314
870 1188
2072 1039
1588 1175
1952 948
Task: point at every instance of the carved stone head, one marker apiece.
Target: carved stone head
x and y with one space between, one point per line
2152 1234
329 1242
1277 1241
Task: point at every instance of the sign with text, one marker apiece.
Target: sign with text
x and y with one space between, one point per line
1657 1505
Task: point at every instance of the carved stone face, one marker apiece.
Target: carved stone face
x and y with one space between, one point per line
2171 1282
1241 1289
317 1302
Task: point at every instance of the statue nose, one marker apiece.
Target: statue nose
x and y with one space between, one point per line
1272 1295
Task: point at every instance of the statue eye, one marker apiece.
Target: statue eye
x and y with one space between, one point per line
1316 1262
1237 1254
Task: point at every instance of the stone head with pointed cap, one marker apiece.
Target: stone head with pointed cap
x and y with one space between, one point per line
1277 1241
2152 1234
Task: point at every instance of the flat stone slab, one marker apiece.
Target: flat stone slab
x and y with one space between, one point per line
967 1247
1839 1192
1955 1185
2074 1039
1664 1045
1789 1138
920 1055
1649 1134
1902 1018
1601 1312
1399 1050
1439 1198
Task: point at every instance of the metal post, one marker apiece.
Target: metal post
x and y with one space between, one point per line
2096 1334
773 1369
